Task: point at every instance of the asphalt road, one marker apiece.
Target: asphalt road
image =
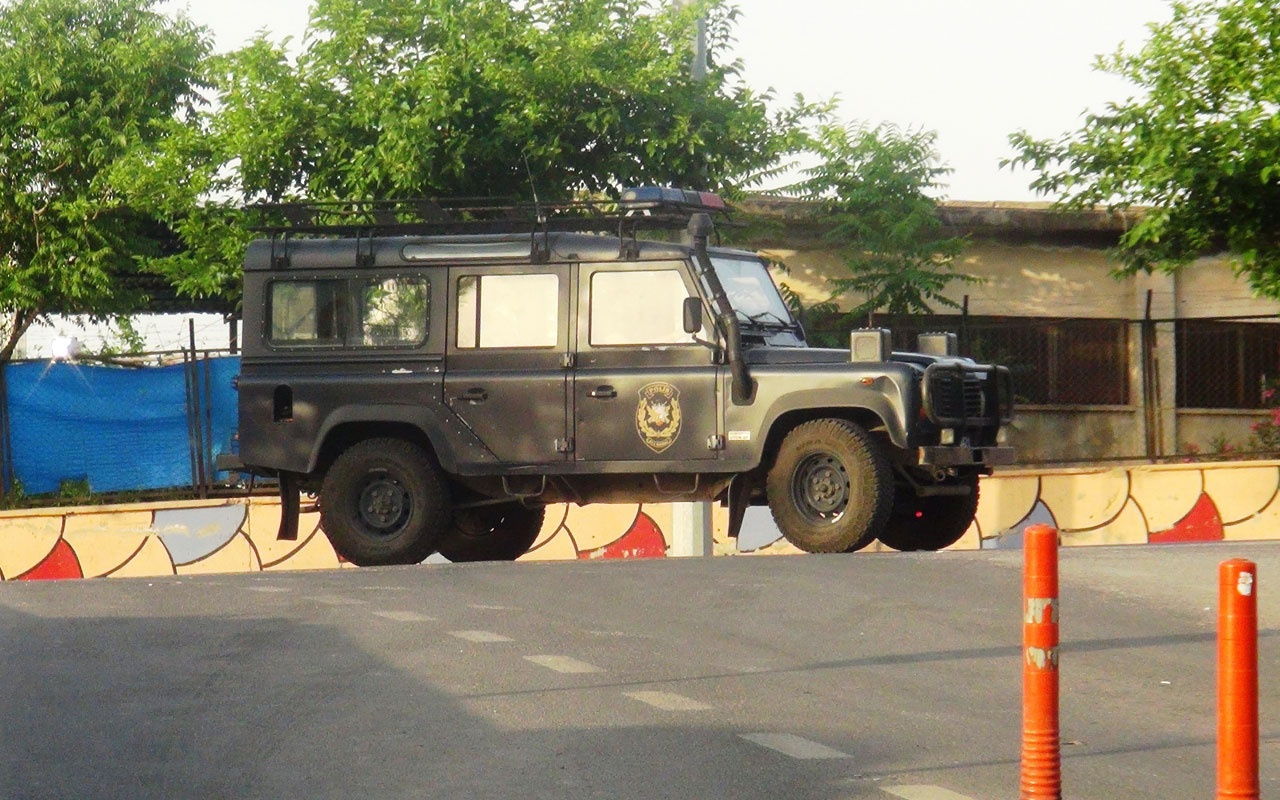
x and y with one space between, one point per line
805 677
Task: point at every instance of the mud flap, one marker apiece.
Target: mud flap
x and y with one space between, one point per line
739 497
288 507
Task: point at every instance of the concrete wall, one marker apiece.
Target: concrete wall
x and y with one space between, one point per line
1126 505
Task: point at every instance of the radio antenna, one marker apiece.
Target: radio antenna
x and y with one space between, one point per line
537 206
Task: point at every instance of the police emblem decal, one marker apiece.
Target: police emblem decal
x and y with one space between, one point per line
658 415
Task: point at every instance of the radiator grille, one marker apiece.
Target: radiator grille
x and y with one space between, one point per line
956 396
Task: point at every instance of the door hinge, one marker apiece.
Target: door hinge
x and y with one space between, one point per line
564 445
567 360
715 442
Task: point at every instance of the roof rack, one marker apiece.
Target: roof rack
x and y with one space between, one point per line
641 208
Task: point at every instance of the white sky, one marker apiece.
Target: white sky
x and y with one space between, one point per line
972 70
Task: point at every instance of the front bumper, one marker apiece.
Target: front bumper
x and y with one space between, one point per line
962 455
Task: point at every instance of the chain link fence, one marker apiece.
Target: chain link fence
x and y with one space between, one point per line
1101 390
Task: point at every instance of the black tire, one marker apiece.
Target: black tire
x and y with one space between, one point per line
384 502
931 523
492 533
830 488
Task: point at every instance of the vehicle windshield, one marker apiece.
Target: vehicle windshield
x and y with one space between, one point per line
752 293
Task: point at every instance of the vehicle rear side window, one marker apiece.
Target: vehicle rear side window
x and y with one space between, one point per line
637 307
508 311
393 311
308 312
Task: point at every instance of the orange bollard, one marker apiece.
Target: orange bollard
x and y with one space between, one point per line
1041 753
1238 680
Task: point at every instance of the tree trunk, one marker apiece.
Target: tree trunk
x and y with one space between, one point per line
19 322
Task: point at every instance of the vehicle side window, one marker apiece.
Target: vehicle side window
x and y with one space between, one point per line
307 312
508 311
638 307
393 311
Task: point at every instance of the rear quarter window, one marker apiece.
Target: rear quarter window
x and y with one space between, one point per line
367 312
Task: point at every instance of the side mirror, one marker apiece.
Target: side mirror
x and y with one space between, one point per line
692 314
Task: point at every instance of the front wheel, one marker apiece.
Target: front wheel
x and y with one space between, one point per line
933 522
384 502
501 532
830 488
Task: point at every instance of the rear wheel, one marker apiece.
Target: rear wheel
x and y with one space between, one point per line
931 523
384 502
502 532
830 488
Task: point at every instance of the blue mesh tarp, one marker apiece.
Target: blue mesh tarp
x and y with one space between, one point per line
116 427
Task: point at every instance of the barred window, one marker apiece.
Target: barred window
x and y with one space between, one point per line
1053 361
1224 363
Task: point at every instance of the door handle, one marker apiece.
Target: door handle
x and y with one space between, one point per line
603 393
476 395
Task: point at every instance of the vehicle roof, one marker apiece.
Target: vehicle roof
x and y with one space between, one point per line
286 252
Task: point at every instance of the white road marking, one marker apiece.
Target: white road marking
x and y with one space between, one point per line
481 637
483 607
668 701
335 600
563 664
924 793
794 746
404 616
272 589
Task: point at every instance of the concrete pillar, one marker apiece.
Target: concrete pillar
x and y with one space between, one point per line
690 529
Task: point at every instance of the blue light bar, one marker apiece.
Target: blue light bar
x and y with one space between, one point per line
656 197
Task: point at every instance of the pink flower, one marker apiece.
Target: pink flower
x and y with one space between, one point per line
1268 393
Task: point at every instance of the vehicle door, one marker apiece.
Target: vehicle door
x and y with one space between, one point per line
643 388
507 375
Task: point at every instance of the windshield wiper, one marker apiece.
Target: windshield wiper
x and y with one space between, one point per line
767 320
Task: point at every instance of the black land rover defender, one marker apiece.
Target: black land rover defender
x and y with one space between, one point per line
437 382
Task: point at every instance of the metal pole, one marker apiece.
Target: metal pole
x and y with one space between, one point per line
1148 382
233 334
207 443
188 385
197 424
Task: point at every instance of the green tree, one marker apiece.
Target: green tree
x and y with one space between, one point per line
1198 146
406 98
872 190
448 98
84 86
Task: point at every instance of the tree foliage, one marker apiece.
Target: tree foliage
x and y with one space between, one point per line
84 86
1199 146
873 186
449 98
